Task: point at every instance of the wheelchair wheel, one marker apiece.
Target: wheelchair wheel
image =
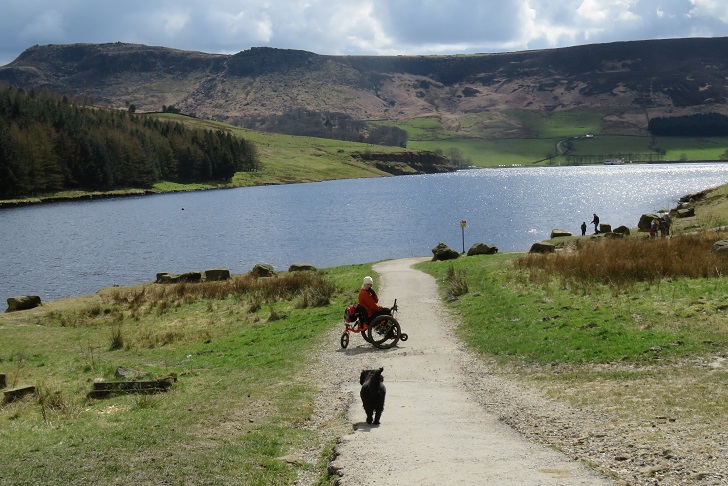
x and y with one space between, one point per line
365 334
384 332
344 339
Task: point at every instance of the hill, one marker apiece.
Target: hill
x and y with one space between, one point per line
627 83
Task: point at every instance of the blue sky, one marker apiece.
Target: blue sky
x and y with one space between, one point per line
354 27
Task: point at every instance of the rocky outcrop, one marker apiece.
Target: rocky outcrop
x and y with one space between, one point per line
623 230
403 163
22 303
443 252
605 228
686 213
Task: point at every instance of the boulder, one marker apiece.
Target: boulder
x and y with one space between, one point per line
605 228
482 249
216 274
541 247
614 234
443 252
685 213
645 220
623 230
559 233
262 270
720 247
301 267
23 302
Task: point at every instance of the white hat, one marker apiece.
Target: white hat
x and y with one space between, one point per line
368 280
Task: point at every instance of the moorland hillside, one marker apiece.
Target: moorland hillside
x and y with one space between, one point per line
627 82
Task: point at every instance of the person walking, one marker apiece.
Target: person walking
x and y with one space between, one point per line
595 221
583 228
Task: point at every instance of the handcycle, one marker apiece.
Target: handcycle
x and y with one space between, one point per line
382 332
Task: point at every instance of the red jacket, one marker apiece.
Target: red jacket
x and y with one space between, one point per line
369 300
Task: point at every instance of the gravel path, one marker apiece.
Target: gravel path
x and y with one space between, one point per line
441 423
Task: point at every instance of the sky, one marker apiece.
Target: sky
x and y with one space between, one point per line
354 27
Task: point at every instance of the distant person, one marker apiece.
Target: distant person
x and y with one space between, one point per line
595 221
665 224
583 228
370 301
654 225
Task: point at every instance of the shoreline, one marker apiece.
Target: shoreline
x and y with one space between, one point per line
138 192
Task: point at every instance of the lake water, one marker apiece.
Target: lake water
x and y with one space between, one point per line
75 248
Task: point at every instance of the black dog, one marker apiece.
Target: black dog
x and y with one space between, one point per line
372 393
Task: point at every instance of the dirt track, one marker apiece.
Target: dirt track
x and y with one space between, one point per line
434 431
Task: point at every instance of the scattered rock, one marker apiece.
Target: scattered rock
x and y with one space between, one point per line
124 373
170 278
22 303
443 252
541 247
262 270
623 230
685 213
559 233
720 247
482 249
12 394
605 228
301 267
216 274
645 220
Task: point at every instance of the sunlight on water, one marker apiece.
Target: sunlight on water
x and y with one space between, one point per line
76 248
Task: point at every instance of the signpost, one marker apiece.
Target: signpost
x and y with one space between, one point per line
463 224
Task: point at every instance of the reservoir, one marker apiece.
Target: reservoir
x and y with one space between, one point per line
74 248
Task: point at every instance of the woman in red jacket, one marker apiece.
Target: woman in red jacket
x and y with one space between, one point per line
370 301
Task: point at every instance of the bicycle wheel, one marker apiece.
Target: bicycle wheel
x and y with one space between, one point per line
384 332
344 339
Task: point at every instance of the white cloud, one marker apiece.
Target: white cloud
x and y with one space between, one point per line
355 26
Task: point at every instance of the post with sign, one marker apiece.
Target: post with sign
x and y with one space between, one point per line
463 224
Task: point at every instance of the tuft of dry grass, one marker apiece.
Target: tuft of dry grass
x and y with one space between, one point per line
309 289
622 262
456 283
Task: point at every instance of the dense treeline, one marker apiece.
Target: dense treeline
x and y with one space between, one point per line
48 143
699 125
337 126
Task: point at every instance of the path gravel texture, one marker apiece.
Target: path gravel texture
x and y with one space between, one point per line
436 427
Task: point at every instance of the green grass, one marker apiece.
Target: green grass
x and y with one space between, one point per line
516 315
242 390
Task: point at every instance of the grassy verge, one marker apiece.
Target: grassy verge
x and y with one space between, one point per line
238 350
644 347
